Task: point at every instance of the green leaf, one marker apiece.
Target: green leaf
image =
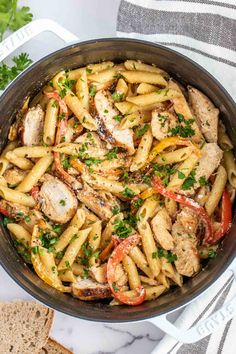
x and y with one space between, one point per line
20 18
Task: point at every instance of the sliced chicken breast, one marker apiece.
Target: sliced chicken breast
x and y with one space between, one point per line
88 289
57 200
101 203
188 259
185 243
14 176
161 226
108 126
206 113
99 273
90 145
32 132
161 123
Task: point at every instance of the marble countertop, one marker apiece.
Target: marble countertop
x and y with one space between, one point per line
87 19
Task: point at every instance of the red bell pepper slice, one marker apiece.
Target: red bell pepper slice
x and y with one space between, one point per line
116 257
5 212
226 219
34 192
157 185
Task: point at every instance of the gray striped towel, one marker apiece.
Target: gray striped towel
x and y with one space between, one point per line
205 31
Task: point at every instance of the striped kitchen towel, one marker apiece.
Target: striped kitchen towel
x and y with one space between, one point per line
204 30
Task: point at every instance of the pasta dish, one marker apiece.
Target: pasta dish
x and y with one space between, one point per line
117 182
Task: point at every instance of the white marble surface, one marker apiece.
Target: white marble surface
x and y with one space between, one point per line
87 19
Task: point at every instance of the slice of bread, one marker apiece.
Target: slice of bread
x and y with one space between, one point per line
53 347
24 327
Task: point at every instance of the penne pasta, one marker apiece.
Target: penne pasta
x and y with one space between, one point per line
82 90
175 156
4 163
131 270
183 172
21 162
79 218
216 191
65 238
149 247
12 195
138 65
50 122
32 178
136 77
153 97
146 88
32 151
230 166
20 233
139 159
73 249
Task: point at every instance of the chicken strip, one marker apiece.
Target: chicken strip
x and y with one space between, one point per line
58 202
161 226
108 125
206 113
88 289
32 132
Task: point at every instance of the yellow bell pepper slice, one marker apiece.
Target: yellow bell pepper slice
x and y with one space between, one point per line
167 142
49 276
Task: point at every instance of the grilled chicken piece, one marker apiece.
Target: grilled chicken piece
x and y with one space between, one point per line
14 176
185 242
90 145
181 106
161 123
161 226
206 113
208 163
73 130
99 274
88 289
15 210
188 259
121 278
58 202
101 203
32 131
108 126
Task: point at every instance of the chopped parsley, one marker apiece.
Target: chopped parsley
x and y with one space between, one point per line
112 154
140 132
115 209
117 97
62 202
62 92
60 255
48 240
67 264
138 203
202 181
84 120
66 163
73 238
190 180
122 229
162 119
147 180
92 161
115 287
27 218
89 71
35 249
85 273
127 192
92 91
57 228
181 175
184 130
7 220
171 257
118 118
212 253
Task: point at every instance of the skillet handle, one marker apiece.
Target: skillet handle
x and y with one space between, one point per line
32 29
202 328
